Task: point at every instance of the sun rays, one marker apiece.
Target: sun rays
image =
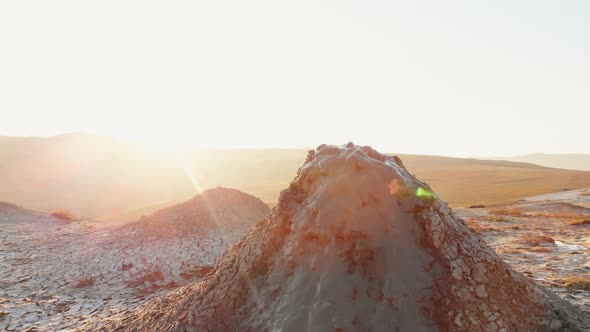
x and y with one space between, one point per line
201 191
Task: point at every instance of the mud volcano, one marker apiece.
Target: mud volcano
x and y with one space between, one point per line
357 243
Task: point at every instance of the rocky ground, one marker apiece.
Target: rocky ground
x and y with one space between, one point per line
56 275
547 238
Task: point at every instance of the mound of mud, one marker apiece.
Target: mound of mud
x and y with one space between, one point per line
357 243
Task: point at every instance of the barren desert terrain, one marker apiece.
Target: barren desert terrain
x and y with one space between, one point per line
294 166
58 275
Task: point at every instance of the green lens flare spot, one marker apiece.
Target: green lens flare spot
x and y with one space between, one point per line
421 192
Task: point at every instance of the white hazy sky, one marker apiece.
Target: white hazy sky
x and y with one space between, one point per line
459 78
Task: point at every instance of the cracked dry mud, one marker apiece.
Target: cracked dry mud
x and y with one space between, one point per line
547 238
356 243
56 275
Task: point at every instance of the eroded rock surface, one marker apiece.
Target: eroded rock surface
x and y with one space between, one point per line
58 276
357 243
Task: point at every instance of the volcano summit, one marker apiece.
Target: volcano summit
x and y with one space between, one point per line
357 243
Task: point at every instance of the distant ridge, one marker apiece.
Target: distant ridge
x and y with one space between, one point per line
114 180
573 161
443 160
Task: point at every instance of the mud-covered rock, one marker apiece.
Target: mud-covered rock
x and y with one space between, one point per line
357 243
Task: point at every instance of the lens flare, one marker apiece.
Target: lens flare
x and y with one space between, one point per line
425 193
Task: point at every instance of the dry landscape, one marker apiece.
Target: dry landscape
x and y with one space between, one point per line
56 274
387 254
108 179
166 166
547 238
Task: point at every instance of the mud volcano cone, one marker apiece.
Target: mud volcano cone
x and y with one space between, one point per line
357 243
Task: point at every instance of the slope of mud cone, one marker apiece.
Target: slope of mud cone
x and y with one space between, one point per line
221 209
180 243
357 243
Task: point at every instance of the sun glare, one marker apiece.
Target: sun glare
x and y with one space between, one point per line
164 142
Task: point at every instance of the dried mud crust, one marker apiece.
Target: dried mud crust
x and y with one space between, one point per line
57 276
481 292
545 246
357 243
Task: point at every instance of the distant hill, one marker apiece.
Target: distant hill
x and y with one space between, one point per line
223 210
574 161
464 182
112 179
